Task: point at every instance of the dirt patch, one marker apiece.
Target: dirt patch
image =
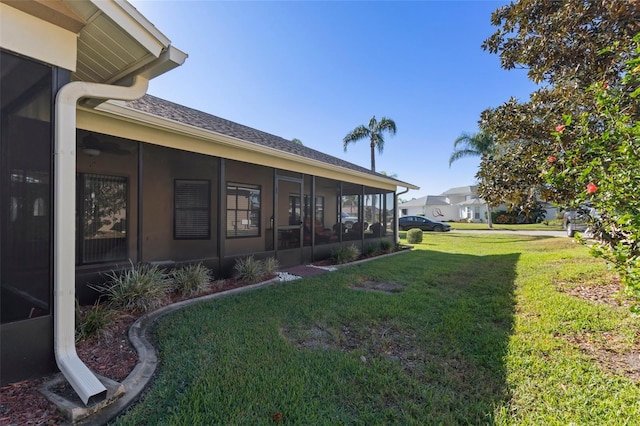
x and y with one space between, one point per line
381 287
315 337
607 348
608 293
374 341
610 356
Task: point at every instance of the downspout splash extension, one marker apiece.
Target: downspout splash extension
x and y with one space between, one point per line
83 381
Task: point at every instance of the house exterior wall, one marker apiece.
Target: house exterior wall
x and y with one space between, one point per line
441 213
34 38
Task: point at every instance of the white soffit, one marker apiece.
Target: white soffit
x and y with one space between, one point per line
116 41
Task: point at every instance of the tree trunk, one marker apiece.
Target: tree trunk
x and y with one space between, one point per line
489 215
373 157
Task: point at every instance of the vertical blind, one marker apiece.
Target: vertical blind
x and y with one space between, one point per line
192 219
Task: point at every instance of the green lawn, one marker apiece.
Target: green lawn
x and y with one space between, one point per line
480 334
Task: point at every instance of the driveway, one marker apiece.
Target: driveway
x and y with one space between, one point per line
504 231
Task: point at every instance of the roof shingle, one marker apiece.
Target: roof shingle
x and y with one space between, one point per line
185 115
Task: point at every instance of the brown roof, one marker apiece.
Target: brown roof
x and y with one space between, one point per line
182 114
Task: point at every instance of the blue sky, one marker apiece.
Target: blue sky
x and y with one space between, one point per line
316 70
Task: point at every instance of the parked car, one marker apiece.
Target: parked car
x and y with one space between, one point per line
409 222
576 220
348 220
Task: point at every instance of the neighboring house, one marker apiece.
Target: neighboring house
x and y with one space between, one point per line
455 204
95 174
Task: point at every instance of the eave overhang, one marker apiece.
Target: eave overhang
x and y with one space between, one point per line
114 41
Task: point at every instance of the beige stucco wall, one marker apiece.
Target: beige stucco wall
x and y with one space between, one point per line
32 37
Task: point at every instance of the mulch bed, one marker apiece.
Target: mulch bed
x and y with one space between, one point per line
110 355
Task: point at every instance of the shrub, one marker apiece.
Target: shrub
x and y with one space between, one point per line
249 269
191 279
93 321
345 254
386 246
369 249
141 288
505 219
271 265
414 236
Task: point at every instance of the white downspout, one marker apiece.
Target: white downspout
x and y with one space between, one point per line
83 381
395 225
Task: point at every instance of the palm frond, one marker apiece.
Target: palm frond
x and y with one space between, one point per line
359 133
479 144
386 124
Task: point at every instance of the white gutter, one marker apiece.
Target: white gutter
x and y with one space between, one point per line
83 381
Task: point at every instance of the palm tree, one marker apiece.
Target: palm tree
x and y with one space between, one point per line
374 133
481 145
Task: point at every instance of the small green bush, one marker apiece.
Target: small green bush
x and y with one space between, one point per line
414 236
345 254
141 288
192 279
271 265
93 321
385 246
249 269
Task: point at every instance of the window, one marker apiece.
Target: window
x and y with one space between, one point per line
294 210
192 204
243 210
102 218
319 207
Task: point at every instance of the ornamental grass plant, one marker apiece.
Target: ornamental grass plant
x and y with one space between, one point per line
140 288
345 254
192 279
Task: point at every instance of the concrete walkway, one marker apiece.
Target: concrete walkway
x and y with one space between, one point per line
518 232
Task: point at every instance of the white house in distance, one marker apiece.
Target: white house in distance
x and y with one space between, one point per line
455 204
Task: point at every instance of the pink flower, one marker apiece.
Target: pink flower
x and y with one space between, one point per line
552 159
559 127
605 85
591 188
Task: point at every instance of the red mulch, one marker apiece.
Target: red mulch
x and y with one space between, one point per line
110 356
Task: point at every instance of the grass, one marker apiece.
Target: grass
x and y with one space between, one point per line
479 335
